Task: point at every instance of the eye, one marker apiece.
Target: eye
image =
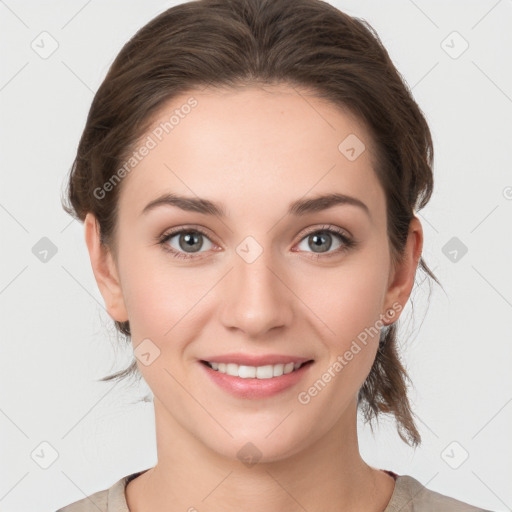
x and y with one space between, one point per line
185 243
321 241
188 241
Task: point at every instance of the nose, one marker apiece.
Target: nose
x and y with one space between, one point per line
257 298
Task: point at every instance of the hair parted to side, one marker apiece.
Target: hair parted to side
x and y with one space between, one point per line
233 43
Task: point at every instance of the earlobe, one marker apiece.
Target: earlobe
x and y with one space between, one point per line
105 271
402 277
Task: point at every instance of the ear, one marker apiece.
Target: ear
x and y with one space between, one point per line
401 279
105 271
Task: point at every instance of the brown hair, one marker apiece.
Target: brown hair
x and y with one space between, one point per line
231 43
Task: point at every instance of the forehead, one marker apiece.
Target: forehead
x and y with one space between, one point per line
251 147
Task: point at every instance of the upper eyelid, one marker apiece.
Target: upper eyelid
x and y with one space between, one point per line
326 227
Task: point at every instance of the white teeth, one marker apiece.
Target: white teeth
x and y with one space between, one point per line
263 372
258 372
277 370
246 372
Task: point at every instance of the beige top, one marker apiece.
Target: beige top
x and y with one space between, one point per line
409 495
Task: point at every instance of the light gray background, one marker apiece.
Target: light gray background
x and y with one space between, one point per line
57 338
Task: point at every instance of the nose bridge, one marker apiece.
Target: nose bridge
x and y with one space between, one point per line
257 299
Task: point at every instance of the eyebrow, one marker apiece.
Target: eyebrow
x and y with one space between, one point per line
298 208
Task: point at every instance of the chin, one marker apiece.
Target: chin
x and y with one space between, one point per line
254 447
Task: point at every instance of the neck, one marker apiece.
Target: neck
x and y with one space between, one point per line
328 475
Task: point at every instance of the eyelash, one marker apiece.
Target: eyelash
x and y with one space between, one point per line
347 242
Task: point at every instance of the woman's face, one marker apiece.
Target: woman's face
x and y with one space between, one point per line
261 280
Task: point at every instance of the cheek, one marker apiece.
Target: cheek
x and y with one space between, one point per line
350 305
148 292
161 297
350 302
351 297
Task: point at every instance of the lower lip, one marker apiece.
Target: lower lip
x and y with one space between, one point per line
255 388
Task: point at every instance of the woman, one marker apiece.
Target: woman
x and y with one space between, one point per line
248 179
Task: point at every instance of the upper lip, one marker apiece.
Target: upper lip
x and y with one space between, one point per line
256 360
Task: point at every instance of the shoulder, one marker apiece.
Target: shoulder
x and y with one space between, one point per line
112 499
95 502
412 496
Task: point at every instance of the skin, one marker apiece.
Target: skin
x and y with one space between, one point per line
254 150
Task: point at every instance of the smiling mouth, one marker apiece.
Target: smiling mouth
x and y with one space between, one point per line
256 372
